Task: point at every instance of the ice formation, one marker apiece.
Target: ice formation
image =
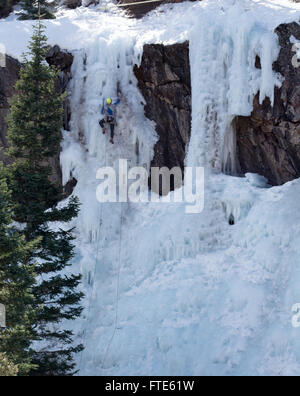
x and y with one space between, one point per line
169 293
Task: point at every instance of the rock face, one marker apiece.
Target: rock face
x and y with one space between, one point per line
62 60
72 4
8 78
165 82
268 142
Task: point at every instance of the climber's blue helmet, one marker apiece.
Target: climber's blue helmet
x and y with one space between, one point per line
109 101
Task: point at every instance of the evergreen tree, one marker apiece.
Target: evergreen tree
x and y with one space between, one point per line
7 369
34 134
6 6
17 279
33 8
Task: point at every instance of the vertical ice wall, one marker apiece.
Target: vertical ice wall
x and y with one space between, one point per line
155 279
225 81
103 70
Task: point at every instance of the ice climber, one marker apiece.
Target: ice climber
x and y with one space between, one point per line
109 112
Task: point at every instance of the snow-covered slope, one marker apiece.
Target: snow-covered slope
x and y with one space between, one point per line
169 293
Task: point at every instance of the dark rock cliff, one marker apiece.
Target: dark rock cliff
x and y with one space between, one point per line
72 4
268 142
62 60
165 82
140 10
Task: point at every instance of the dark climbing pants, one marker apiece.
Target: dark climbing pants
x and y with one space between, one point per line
112 127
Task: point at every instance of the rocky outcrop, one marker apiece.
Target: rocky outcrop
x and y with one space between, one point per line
268 142
8 78
72 4
140 10
165 82
62 60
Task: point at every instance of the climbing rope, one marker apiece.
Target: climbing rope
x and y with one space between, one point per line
117 292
